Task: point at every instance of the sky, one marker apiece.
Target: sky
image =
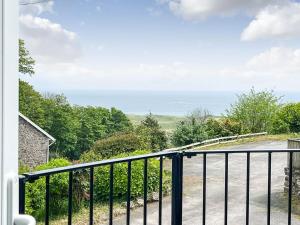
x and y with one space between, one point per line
178 45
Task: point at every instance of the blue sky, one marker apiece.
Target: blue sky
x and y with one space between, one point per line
163 44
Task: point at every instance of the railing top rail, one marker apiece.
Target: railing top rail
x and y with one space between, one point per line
237 151
37 174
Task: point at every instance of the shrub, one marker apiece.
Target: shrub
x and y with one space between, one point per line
188 133
287 119
222 127
120 178
119 143
254 111
35 192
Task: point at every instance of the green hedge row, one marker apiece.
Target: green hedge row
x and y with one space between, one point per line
35 192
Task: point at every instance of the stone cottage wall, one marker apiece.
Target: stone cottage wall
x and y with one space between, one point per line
33 145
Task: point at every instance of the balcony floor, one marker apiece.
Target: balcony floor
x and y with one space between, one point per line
192 202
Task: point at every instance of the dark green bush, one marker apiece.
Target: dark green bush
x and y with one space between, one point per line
120 178
188 133
35 192
119 143
287 119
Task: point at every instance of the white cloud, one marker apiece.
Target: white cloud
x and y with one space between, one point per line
49 42
201 9
277 67
36 9
274 21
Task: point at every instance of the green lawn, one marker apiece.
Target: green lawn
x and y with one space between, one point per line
168 123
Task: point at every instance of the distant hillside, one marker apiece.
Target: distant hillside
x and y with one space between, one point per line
168 123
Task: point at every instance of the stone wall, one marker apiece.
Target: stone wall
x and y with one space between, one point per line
293 144
33 145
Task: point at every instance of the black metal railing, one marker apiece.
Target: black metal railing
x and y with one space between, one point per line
177 159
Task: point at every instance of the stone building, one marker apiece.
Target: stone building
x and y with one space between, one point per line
34 143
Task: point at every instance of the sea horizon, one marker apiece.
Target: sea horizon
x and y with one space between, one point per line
173 103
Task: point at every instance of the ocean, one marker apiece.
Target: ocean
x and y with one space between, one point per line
177 103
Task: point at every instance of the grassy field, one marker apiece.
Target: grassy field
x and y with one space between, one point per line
168 123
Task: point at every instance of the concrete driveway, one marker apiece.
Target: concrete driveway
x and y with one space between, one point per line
192 199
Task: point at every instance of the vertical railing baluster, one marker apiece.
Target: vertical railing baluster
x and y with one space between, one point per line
204 191
70 198
160 190
91 195
269 188
226 190
145 189
290 189
22 187
247 188
128 193
111 193
47 198
177 179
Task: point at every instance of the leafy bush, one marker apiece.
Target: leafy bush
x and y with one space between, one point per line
120 178
119 143
153 134
254 111
188 133
287 119
35 192
222 127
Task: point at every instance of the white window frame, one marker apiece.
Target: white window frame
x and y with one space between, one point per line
8 111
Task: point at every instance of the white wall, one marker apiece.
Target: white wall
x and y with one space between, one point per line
8 103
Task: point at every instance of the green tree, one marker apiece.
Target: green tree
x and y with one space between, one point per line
26 62
94 125
31 103
151 130
63 124
254 111
119 121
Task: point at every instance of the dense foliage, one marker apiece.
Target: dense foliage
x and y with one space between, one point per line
254 111
35 192
153 134
191 130
120 177
287 119
75 128
222 127
119 143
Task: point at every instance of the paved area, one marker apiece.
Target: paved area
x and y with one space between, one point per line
192 199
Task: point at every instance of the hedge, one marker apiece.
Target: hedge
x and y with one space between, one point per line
120 178
35 192
119 143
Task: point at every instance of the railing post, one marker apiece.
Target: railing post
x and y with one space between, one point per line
22 182
177 174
